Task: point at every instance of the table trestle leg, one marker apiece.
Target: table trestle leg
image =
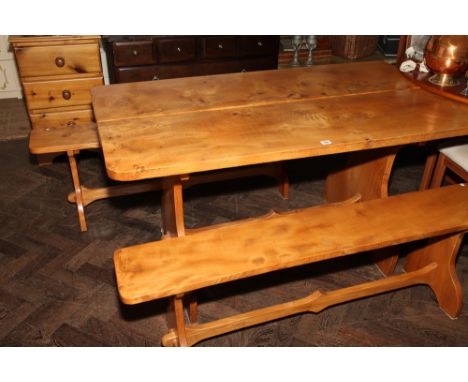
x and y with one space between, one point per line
172 207
367 173
282 179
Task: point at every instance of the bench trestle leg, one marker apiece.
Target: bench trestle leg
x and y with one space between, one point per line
176 322
193 308
314 303
444 281
78 190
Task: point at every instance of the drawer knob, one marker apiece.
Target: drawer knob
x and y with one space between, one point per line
259 43
155 78
71 123
135 52
220 46
179 49
60 62
66 94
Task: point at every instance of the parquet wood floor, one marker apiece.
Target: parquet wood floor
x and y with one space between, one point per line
14 120
57 285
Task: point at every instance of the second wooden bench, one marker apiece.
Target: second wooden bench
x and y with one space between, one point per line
84 136
174 267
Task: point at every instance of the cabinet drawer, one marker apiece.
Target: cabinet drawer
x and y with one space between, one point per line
61 119
60 59
45 94
154 72
207 68
258 45
263 63
218 47
176 50
133 53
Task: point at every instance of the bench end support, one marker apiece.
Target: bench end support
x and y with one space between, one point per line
444 281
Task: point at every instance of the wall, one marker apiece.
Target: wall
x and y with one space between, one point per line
9 81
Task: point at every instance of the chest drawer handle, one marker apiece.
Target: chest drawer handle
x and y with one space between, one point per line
60 62
66 94
179 49
135 52
220 46
155 78
259 43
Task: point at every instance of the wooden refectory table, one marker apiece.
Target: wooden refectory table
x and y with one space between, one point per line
174 128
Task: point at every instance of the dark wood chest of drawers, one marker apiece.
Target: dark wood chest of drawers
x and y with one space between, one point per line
144 58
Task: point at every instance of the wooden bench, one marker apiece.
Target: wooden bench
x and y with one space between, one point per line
174 267
71 139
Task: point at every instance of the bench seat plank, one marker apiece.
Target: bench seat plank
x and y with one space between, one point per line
63 139
233 251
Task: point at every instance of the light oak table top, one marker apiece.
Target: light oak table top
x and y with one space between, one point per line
188 125
214 92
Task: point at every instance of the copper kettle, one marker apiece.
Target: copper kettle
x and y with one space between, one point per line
447 56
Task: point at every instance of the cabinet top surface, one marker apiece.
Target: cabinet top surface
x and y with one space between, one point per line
52 39
175 127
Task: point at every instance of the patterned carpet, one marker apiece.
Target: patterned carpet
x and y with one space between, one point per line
57 286
14 120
